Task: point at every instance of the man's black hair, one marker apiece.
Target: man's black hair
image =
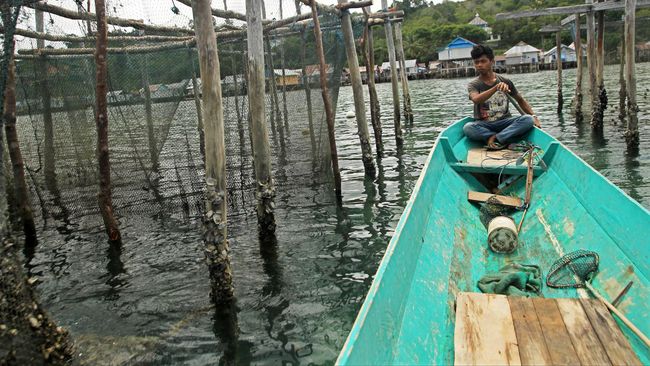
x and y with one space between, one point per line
480 50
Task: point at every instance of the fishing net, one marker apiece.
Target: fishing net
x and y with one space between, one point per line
573 269
493 208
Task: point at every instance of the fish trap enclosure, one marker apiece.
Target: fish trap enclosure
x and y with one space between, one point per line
155 110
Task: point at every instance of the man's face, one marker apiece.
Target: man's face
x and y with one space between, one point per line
483 64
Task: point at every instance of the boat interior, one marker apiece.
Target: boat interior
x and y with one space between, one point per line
440 247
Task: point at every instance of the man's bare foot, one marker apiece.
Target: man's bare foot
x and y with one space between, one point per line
493 144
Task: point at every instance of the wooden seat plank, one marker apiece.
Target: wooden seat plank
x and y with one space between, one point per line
611 337
474 196
555 333
532 346
585 341
484 331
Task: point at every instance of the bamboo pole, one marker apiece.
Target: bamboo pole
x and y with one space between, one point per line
68 38
622 93
284 83
408 111
327 102
390 44
632 132
306 86
105 196
13 146
558 62
579 69
215 235
357 91
591 64
600 76
369 57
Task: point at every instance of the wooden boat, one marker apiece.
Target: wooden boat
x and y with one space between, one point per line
439 250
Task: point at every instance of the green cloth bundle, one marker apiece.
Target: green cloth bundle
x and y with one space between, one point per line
514 280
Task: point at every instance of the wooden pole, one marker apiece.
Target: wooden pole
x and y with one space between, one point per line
622 93
215 235
284 83
13 146
105 196
257 113
558 62
632 132
327 102
408 111
153 150
579 69
48 126
276 115
357 92
591 64
600 76
197 102
390 43
369 57
306 85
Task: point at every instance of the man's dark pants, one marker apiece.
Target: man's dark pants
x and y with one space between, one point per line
507 130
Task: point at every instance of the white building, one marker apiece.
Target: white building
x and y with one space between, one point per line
477 21
523 53
567 55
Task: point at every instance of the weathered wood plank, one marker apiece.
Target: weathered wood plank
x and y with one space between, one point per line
555 333
479 317
532 346
602 6
474 196
615 344
585 340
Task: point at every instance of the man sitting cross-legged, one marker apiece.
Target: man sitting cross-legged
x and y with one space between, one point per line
493 123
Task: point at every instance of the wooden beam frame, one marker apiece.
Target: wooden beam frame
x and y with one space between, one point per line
570 10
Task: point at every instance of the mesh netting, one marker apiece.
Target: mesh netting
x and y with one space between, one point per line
573 269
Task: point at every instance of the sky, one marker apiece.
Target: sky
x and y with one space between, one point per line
151 11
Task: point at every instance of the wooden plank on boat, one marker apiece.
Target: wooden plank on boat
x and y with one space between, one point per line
613 340
474 196
481 156
585 340
510 169
557 338
532 346
479 317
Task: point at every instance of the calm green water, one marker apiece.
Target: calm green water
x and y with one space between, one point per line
147 303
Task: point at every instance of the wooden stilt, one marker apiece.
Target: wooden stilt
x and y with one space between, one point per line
327 102
48 127
579 70
153 150
197 102
105 196
284 84
369 56
215 220
357 91
622 93
306 86
632 132
276 115
257 113
600 75
558 62
591 64
13 146
406 94
390 44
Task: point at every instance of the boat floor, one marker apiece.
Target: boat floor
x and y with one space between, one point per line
556 223
504 330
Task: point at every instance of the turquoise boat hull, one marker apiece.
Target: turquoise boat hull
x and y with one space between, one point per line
440 249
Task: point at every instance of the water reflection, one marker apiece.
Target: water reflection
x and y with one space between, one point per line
114 270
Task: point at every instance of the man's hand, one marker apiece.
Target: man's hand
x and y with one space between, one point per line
536 122
503 87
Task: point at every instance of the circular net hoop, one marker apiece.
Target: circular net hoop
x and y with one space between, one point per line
573 269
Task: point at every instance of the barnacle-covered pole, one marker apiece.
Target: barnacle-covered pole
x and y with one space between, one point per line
256 108
406 93
577 41
105 195
632 132
214 222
